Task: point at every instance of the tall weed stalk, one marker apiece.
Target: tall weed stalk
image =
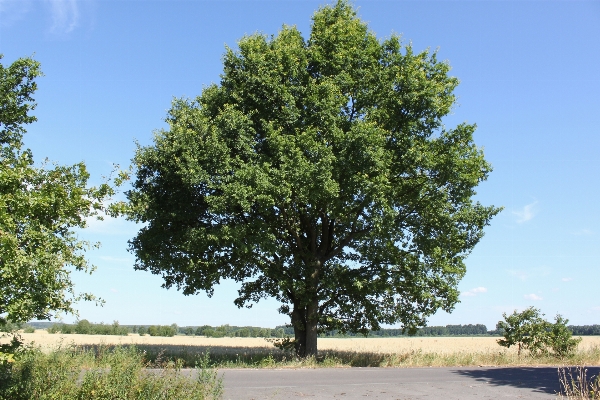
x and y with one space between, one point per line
575 385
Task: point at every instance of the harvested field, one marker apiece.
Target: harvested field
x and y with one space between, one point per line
340 352
44 339
440 345
444 345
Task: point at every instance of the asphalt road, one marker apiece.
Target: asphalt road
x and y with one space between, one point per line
394 383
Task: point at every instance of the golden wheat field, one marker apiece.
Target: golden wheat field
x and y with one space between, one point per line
439 345
333 352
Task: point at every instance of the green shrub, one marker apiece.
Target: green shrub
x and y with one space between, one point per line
83 327
162 330
109 373
8 326
560 338
200 330
529 331
61 328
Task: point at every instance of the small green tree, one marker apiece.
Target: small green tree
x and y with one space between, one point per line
39 209
530 331
83 327
527 330
561 339
200 330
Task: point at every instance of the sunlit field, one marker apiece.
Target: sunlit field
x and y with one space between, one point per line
376 345
333 352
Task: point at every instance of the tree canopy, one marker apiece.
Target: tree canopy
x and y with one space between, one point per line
39 208
317 172
528 330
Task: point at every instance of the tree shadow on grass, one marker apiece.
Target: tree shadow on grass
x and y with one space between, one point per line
539 379
267 356
189 355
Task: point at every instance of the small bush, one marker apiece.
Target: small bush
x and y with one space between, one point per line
109 373
8 326
162 330
560 338
529 331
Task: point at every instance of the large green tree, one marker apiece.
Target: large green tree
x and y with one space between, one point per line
317 172
40 206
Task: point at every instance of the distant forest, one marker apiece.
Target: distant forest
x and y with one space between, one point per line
284 330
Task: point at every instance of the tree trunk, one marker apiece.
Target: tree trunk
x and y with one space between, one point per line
299 325
311 328
305 321
305 318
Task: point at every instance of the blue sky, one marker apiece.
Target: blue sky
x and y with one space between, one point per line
529 79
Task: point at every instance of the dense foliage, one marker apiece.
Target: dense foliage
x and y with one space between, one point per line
232 331
39 209
448 330
158 330
317 172
9 326
585 330
118 373
528 330
84 327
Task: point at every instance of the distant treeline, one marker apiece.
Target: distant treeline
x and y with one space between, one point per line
232 331
585 330
85 327
448 330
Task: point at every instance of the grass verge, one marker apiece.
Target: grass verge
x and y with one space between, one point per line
107 372
261 357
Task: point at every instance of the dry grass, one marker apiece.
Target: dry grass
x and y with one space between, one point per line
576 385
48 340
443 345
333 352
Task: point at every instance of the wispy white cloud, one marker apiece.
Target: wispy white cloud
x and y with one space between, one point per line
566 279
65 15
12 11
583 232
114 290
526 213
522 275
533 297
474 291
525 274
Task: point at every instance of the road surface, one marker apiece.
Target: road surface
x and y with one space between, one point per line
394 383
